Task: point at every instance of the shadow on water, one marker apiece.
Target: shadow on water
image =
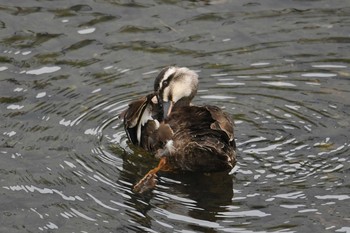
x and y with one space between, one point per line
194 191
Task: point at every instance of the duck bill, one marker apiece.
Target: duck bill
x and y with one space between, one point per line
167 108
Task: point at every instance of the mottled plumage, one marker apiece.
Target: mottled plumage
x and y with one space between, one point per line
201 140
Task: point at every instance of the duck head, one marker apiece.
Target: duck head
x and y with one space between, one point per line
175 86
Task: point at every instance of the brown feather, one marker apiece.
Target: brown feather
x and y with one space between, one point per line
201 139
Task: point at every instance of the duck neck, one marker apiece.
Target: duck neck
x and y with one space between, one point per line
182 103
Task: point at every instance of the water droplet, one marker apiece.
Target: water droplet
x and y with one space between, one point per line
329 66
86 31
41 95
96 90
2 68
319 75
279 84
44 70
26 53
15 106
260 64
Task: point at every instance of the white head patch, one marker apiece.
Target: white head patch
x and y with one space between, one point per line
183 84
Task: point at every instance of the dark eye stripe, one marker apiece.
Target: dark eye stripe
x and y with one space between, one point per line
167 81
159 79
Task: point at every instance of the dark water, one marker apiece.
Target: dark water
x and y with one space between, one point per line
68 68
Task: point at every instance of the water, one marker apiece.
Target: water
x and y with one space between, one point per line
68 68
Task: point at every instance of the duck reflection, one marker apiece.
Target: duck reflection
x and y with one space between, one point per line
210 191
209 194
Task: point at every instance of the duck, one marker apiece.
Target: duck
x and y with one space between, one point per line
184 137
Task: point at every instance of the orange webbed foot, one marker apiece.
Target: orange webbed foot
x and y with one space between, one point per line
149 181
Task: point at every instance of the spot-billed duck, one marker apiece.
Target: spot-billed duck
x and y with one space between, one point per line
184 137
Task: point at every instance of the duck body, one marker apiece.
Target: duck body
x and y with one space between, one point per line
182 136
199 142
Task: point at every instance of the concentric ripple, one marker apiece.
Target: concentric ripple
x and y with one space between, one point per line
67 71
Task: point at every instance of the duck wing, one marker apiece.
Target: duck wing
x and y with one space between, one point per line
222 122
203 139
139 116
202 119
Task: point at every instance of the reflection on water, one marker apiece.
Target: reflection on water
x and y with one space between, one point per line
67 70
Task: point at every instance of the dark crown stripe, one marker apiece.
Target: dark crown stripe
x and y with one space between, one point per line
159 78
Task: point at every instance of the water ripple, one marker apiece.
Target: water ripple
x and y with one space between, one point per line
241 214
32 188
69 70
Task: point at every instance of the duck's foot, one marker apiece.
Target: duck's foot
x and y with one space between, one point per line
149 181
